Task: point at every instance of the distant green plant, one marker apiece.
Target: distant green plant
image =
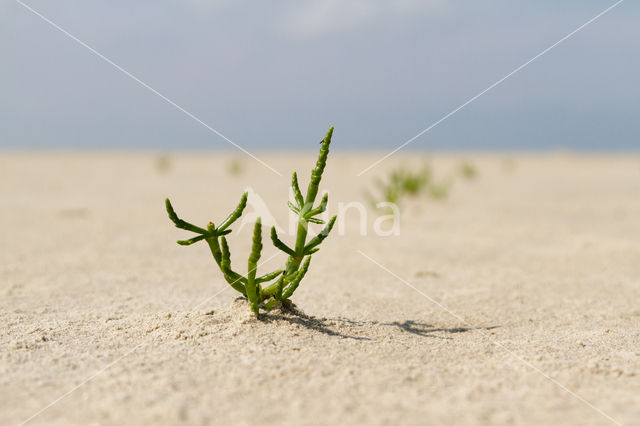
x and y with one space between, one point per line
468 170
403 182
163 163
399 183
408 182
285 281
236 167
439 191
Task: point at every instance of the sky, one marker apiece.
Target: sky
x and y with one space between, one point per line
276 75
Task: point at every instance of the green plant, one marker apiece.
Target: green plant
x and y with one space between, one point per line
440 191
407 182
468 170
399 183
283 282
163 163
402 182
236 167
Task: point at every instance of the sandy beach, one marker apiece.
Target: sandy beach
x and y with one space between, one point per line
515 300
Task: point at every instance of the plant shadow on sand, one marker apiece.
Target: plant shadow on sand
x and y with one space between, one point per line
324 325
321 325
427 330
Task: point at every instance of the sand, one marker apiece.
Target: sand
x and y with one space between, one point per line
513 301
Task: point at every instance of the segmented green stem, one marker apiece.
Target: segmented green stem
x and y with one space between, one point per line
296 190
312 191
225 263
321 236
279 244
269 276
256 248
235 214
288 292
234 279
181 223
321 208
306 213
191 241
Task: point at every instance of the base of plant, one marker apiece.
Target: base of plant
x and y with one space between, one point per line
271 305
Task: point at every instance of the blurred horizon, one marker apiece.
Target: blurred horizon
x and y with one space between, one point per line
275 77
336 147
